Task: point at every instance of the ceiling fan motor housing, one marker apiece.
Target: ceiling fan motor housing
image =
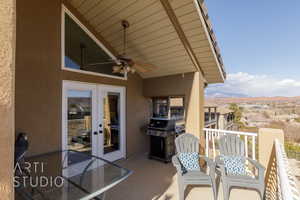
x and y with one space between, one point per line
125 23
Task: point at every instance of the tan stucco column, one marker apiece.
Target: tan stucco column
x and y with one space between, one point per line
266 138
7 78
195 109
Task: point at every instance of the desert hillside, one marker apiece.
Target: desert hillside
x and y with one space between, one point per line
227 100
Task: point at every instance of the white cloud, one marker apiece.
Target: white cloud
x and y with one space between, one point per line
256 85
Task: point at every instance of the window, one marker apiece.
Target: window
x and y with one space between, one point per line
160 107
177 107
168 107
82 52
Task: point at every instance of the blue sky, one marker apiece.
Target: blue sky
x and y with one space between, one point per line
259 38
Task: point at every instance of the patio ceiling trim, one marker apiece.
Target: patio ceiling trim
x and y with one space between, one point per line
174 35
82 20
170 12
210 37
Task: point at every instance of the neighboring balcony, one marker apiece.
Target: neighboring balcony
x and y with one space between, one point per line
210 116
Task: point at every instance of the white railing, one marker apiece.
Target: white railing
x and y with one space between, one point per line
286 187
212 136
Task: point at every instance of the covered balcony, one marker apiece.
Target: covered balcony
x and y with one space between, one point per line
210 116
175 40
158 181
79 75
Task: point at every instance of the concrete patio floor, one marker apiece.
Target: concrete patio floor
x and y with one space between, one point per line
154 180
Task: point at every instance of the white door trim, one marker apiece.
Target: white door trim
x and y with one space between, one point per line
122 90
96 88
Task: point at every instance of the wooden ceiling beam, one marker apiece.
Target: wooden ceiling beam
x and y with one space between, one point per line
172 16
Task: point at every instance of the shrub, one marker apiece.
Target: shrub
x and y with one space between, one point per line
297 119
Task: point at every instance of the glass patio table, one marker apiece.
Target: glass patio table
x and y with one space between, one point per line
63 175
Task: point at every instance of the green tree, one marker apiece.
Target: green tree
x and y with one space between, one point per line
238 111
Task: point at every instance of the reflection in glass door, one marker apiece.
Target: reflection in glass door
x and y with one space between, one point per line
111 122
79 123
93 121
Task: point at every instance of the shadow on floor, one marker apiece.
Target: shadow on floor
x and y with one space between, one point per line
150 179
154 180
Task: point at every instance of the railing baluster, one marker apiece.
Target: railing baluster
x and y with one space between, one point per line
213 143
253 147
212 134
286 187
246 145
206 143
209 141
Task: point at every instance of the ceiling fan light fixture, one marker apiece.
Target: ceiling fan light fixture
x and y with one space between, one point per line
127 69
116 69
122 71
133 70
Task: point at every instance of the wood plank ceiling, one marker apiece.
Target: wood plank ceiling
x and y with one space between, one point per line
151 37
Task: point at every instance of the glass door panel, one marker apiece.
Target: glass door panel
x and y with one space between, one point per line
93 122
111 122
79 126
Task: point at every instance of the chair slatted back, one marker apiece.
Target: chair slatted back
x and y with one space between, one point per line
186 143
231 145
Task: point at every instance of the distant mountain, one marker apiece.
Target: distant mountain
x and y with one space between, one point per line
210 94
225 100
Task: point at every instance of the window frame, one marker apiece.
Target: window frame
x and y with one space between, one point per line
66 11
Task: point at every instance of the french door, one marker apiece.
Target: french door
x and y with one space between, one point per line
93 119
111 114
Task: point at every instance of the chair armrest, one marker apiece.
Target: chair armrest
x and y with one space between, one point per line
219 161
256 164
211 164
177 164
260 167
175 161
221 165
209 161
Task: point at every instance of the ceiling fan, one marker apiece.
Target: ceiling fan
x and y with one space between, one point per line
123 63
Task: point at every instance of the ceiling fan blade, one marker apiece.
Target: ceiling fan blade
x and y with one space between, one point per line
116 69
143 67
101 63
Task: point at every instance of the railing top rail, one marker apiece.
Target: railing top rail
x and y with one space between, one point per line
230 132
287 182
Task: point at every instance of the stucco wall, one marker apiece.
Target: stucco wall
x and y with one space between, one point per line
38 76
39 81
7 77
266 139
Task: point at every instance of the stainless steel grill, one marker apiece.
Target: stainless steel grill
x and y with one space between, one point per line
162 134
